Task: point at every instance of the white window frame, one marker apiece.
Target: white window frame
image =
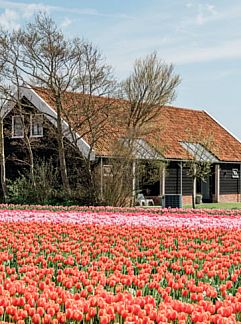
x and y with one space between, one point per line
235 174
13 126
32 116
107 170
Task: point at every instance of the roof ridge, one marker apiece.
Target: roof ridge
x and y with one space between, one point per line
121 100
185 108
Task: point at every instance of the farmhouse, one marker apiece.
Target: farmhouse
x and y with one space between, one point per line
178 137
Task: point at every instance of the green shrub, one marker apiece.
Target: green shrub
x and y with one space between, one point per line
40 190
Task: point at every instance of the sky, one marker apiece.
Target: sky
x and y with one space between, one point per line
201 38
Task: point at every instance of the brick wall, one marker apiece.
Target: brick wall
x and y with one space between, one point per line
186 200
229 198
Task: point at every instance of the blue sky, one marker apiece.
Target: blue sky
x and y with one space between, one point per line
201 38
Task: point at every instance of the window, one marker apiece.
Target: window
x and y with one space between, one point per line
107 170
235 174
36 125
17 126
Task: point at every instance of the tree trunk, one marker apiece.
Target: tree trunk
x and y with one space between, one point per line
30 152
61 150
133 183
92 190
2 163
193 192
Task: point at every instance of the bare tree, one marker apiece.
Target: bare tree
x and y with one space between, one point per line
49 60
11 87
9 93
117 183
2 151
149 87
4 97
41 56
88 107
62 66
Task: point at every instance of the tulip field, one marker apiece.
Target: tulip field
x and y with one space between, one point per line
119 266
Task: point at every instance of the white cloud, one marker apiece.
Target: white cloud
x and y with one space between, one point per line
14 12
225 50
226 73
206 13
9 19
211 9
200 19
123 59
29 9
189 5
66 22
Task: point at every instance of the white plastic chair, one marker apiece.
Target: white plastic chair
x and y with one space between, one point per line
144 201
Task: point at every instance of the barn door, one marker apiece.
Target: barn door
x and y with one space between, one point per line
205 190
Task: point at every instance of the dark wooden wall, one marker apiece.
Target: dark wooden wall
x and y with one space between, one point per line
228 184
173 180
172 183
16 152
186 183
44 148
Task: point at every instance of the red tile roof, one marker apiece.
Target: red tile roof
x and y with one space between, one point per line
181 123
175 125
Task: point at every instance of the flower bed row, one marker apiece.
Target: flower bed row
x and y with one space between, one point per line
202 220
53 269
110 209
